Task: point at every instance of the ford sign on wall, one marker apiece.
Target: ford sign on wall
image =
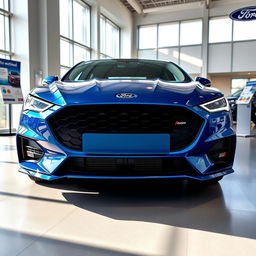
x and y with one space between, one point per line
244 14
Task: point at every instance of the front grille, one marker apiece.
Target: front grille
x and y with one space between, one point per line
70 123
94 166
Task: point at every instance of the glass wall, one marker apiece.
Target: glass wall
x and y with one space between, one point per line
244 30
109 38
223 29
239 83
75 40
179 42
164 41
5 53
191 32
171 29
220 30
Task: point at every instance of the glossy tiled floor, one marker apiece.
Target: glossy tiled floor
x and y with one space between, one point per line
96 219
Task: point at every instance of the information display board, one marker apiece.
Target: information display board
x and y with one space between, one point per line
247 93
10 82
244 110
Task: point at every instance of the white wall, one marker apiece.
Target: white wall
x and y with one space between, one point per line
166 16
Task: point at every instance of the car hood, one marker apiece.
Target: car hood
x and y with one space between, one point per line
230 97
105 91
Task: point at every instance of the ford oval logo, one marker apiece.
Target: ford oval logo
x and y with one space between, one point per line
126 95
244 14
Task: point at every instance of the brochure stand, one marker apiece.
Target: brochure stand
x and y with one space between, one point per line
9 132
244 110
10 88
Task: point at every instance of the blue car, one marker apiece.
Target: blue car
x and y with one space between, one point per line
126 119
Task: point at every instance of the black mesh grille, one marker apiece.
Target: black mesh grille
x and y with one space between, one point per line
70 123
125 166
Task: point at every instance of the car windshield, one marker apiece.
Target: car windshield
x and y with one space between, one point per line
237 93
14 73
127 69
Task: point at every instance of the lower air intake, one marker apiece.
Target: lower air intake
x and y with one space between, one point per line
30 150
94 166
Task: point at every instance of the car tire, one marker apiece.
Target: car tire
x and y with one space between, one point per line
206 182
214 181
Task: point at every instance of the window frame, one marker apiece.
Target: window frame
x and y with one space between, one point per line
7 54
71 40
179 46
8 14
232 41
102 54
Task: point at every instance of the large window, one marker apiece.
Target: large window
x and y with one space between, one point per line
239 83
4 29
5 53
75 45
158 40
220 29
179 42
148 37
191 32
244 30
223 29
109 38
168 34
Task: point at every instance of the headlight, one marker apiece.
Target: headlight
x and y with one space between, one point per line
220 104
35 104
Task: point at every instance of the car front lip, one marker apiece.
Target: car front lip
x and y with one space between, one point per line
54 177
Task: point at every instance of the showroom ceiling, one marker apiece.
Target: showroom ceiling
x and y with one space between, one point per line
145 6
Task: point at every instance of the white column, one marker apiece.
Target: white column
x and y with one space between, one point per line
36 39
20 40
95 31
49 37
205 41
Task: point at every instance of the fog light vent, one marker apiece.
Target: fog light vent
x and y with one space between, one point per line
222 152
30 150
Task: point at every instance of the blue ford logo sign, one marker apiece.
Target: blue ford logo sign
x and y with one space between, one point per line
244 14
126 95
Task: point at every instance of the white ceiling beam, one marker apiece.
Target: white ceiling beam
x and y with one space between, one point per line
177 7
207 3
135 5
242 2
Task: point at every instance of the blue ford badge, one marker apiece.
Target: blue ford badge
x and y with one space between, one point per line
244 14
126 95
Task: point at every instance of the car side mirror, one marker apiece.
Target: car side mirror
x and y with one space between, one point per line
49 79
204 81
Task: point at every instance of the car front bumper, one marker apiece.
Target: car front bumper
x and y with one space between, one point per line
197 158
